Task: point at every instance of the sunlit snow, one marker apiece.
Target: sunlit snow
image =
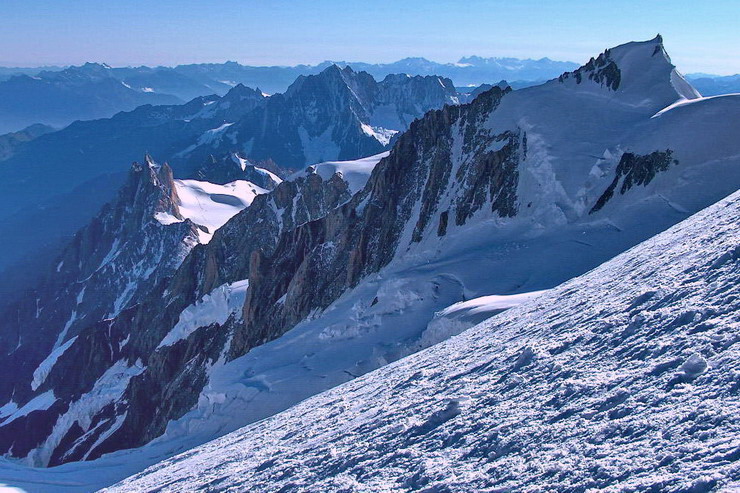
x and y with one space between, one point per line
211 205
624 379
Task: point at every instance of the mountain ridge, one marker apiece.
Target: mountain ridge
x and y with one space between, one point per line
219 77
281 128
59 98
603 382
494 197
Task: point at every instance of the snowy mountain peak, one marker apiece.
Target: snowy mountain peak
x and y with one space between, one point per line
640 71
333 79
240 92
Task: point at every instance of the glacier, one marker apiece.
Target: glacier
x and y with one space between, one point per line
624 379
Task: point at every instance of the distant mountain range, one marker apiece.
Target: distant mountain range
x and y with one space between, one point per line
11 141
57 181
713 85
471 70
75 93
277 79
58 96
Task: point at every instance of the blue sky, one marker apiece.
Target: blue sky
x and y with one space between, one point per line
700 36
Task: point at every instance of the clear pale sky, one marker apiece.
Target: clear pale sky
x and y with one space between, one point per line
700 36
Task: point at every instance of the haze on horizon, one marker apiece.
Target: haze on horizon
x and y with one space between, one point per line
698 36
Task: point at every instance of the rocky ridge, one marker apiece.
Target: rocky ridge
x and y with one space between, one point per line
108 266
321 117
109 338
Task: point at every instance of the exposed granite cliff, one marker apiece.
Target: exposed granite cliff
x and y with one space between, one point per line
109 265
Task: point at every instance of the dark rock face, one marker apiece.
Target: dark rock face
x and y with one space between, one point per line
328 116
602 70
27 432
109 265
491 177
168 387
411 97
316 262
634 170
233 166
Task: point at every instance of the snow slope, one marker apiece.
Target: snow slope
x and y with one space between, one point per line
211 205
215 307
624 379
355 172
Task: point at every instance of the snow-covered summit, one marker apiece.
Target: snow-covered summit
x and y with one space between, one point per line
646 66
641 70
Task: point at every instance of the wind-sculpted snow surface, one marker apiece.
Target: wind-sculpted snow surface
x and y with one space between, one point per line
624 379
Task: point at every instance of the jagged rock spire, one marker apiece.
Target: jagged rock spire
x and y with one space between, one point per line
150 189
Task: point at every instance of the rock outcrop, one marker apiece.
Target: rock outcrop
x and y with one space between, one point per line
234 166
108 266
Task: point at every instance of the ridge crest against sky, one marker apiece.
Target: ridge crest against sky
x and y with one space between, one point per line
701 37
